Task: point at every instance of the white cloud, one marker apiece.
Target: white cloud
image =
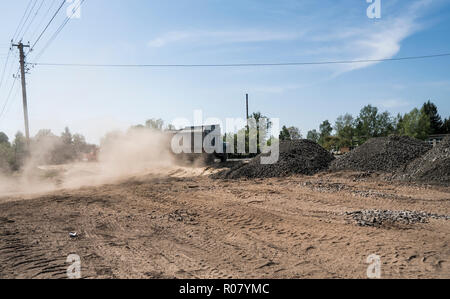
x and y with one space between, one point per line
324 40
368 40
168 38
276 89
393 103
383 42
379 40
222 37
438 84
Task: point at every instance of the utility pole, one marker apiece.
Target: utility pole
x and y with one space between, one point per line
246 97
21 46
247 137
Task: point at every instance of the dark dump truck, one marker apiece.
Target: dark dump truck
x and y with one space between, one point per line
199 143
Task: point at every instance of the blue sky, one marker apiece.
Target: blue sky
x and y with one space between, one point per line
93 101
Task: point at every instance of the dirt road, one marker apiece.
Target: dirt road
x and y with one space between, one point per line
197 227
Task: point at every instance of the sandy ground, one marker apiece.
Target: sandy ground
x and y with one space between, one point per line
178 225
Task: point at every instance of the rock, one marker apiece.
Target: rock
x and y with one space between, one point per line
434 166
384 154
296 157
377 218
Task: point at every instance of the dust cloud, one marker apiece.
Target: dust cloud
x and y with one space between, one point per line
121 155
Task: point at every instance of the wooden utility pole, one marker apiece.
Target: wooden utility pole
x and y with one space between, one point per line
21 46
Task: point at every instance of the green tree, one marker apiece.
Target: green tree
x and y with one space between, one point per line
344 127
415 124
66 136
325 131
256 121
332 143
19 143
4 138
313 135
291 133
44 133
284 134
342 122
19 148
80 145
154 124
436 123
398 120
385 124
371 124
65 151
295 133
6 157
6 153
262 132
446 126
138 127
170 127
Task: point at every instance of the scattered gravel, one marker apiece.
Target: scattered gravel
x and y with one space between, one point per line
377 218
184 216
370 194
329 187
296 157
434 166
384 154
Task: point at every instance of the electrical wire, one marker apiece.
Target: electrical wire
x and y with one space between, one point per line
32 20
43 19
4 68
239 64
21 20
61 27
26 20
8 107
4 73
48 25
9 95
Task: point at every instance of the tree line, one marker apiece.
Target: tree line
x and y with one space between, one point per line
45 147
349 131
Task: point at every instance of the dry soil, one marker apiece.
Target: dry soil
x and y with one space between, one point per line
190 226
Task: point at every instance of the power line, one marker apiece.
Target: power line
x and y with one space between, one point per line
29 9
23 17
48 25
42 20
26 20
8 107
4 68
4 71
9 94
34 17
241 64
19 28
61 27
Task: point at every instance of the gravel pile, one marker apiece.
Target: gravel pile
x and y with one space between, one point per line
434 166
385 154
377 218
296 157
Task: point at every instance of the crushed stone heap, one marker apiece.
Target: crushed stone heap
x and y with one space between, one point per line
296 157
385 154
434 166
